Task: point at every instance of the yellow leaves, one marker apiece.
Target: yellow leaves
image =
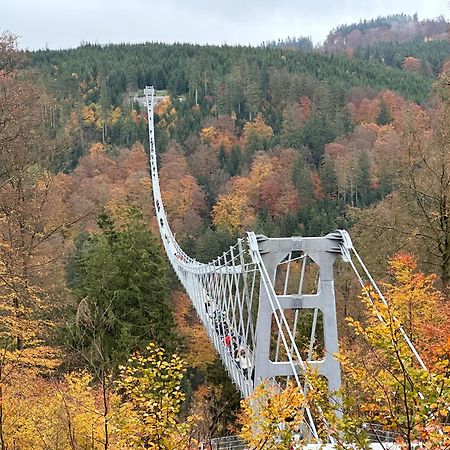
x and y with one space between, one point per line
218 138
136 117
261 168
386 382
166 113
207 134
256 132
232 211
39 413
114 116
150 385
236 209
270 417
91 115
163 107
76 412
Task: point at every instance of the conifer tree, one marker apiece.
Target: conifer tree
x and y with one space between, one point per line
384 116
119 280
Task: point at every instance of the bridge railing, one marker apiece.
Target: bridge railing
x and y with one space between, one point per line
226 443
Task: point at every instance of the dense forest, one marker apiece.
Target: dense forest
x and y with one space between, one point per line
282 139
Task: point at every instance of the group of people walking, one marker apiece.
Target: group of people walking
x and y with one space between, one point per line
231 341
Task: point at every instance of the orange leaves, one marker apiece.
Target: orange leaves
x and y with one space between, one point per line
294 117
183 198
220 133
366 110
236 210
138 118
97 149
166 113
316 185
387 386
412 64
415 299
73 123
163 107
182 195
268 185
419 307
299 111
279 197
218 138
92 115
402 266
199 350
114 183
96 116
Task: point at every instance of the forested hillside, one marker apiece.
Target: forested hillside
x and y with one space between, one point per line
279 139
417 55
397 28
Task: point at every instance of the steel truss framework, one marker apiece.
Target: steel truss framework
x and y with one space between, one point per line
268 305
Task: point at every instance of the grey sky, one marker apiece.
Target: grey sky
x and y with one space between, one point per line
67 23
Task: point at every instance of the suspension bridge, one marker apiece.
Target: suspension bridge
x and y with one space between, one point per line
257 299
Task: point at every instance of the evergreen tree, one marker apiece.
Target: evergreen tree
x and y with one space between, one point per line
301 176
328 176
212 243
119 280
363 179
235 162
264 224
384 116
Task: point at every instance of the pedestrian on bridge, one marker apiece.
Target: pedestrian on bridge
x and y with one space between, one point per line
244 361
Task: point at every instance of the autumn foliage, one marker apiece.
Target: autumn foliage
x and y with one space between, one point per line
386 387
268 185
270 417
282 142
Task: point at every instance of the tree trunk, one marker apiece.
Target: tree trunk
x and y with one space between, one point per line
105 410
445 267
2 438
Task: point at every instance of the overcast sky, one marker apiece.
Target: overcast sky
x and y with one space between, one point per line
67 23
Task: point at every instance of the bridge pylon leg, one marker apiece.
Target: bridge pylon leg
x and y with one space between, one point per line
275 252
